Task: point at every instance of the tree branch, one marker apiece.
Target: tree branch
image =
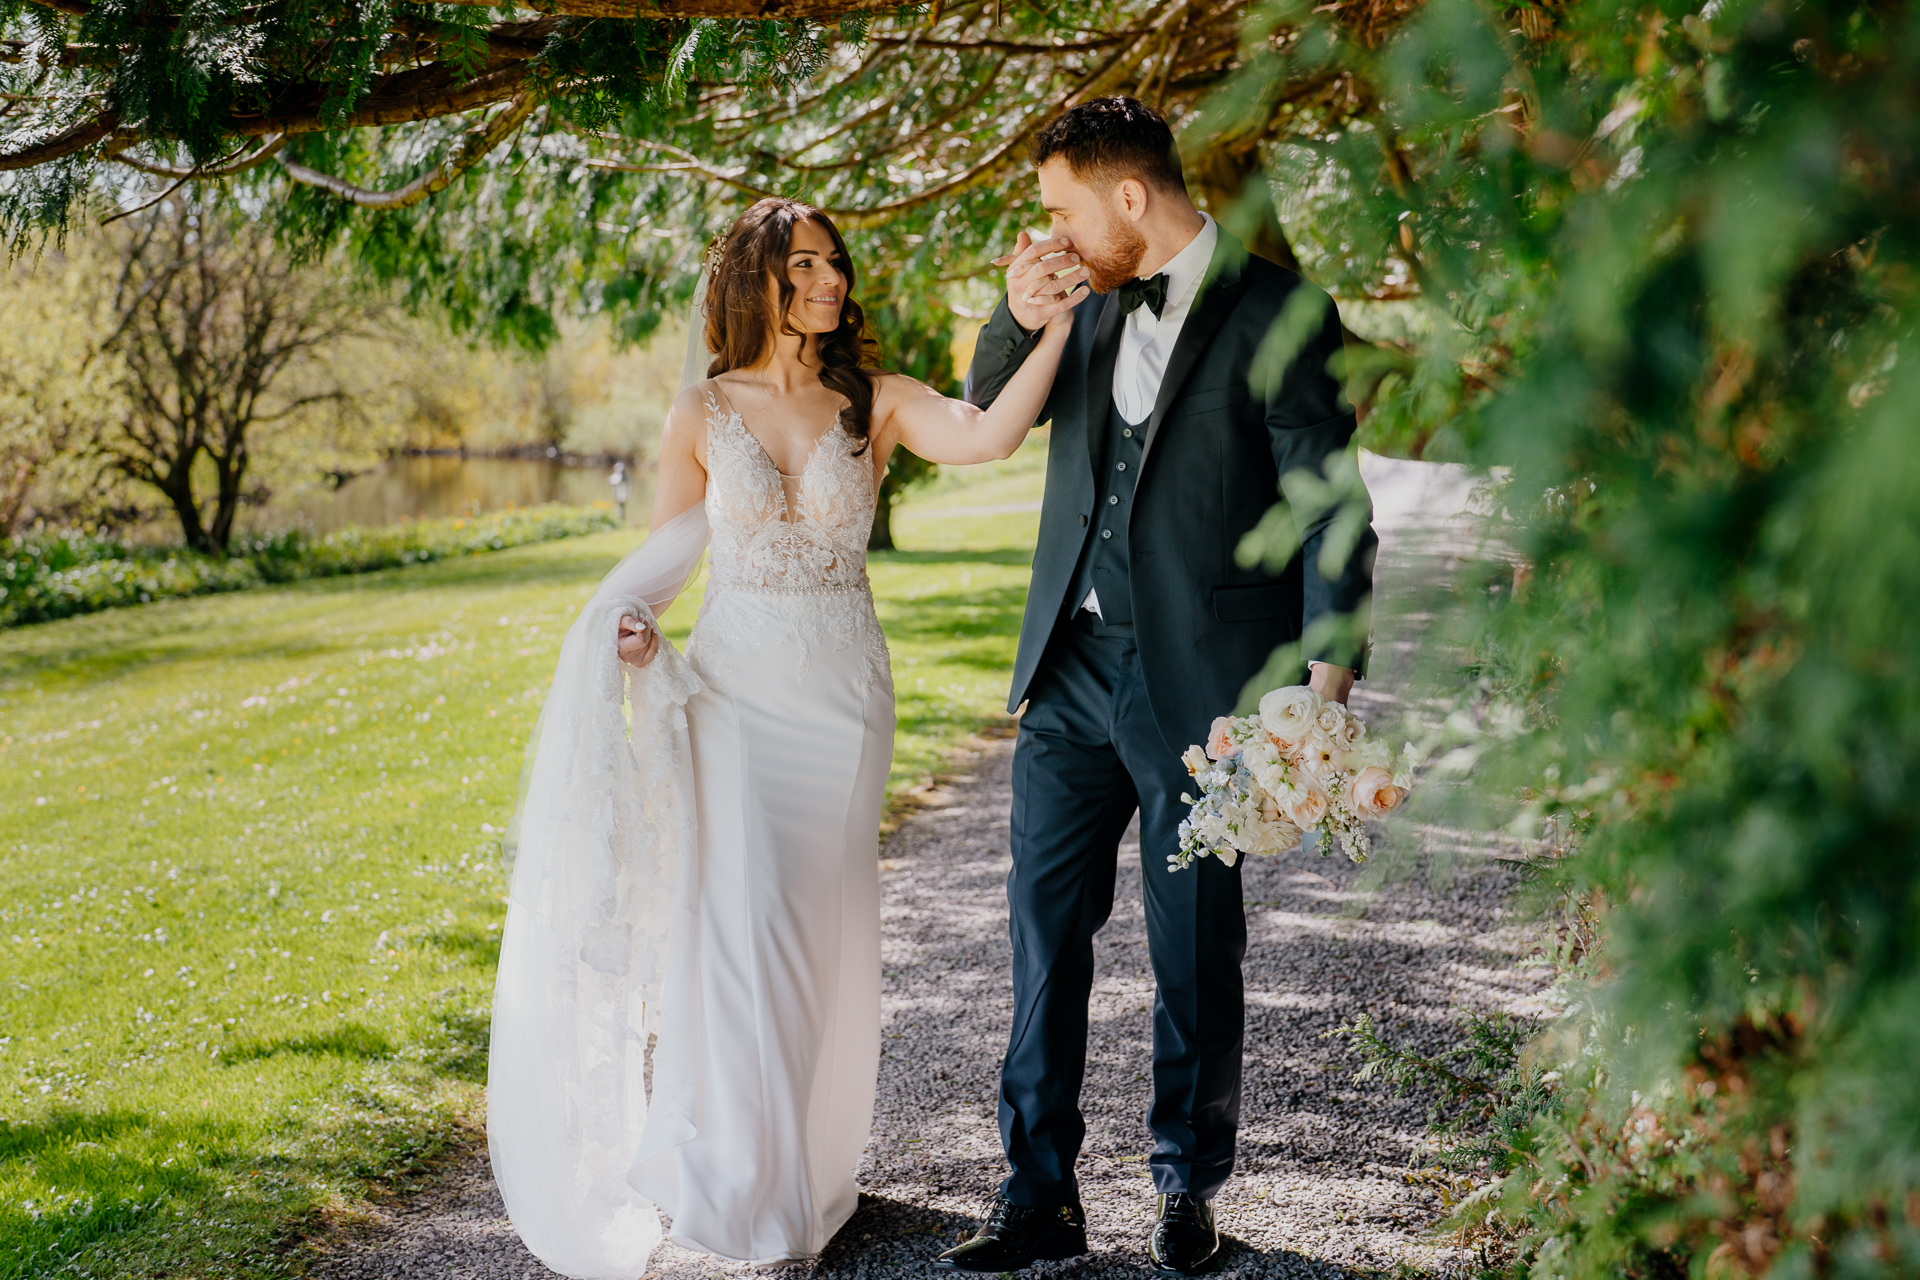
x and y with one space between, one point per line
440 99
221 169
1094 83
75 138
1007 46
480 140
673 9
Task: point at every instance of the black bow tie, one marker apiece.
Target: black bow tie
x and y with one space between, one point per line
1152 291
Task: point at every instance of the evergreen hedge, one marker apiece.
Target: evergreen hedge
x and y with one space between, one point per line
59 575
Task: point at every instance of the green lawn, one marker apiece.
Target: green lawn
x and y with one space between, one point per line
253 887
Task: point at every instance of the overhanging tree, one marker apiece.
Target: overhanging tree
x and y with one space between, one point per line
216 338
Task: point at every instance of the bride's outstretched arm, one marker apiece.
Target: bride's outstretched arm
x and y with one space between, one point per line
680 485
942 429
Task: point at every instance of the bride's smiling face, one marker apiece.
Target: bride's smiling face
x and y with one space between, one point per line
819 283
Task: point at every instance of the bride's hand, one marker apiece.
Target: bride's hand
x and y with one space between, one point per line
637 642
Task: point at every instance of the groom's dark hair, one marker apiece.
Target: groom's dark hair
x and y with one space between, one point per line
1108 140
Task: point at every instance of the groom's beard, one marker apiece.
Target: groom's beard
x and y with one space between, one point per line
1118 259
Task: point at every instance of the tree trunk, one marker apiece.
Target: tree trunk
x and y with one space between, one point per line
228 474
179 491
881 537
1220 178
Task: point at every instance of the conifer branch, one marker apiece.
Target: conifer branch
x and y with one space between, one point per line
479 142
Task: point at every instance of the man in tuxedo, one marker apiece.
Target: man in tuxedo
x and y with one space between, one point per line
1170 441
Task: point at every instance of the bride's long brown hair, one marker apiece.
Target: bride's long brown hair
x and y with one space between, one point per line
741 325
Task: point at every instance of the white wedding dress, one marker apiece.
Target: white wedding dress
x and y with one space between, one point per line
709 874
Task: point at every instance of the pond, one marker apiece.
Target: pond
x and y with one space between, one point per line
413 488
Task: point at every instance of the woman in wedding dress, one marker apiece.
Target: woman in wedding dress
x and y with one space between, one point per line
708 873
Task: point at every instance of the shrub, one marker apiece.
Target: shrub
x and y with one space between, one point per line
56 576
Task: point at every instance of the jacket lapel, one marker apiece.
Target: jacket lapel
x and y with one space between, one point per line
1106 353
1218 293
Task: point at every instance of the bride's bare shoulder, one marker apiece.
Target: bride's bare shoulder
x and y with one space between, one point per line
686 423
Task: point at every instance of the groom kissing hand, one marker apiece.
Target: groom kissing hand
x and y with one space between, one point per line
1141 627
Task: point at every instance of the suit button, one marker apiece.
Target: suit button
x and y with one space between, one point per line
1123 466
1113 500
1106 533
1127 432
1006 349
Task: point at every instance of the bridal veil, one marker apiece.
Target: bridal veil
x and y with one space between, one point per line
601 853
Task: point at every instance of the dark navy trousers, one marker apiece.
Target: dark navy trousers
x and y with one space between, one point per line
1088 755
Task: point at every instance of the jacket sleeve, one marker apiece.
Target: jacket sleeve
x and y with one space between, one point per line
1002 348
1309 421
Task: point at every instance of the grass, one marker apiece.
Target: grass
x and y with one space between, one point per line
254 895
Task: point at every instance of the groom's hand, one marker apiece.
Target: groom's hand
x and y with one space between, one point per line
1330 682
1045 279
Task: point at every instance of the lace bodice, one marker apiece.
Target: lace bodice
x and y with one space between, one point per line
758 542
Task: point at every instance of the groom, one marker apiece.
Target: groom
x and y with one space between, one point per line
1141 627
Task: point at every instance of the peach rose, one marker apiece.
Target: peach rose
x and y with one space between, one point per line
1306 806
1218 747
1374 794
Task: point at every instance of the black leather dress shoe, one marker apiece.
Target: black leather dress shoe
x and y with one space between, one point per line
1184 1241
1014 1236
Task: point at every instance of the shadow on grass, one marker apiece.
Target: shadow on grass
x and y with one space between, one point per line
96 1183
139 1193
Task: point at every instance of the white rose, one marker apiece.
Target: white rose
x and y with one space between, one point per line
1289 714
1195 759
1353 730
1373 753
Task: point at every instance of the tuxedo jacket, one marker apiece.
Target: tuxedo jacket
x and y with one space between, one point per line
1216 449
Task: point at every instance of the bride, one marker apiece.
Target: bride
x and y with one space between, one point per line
706 873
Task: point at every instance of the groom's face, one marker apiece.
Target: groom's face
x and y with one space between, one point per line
1096 221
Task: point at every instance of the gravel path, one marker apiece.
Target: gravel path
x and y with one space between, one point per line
1321 1188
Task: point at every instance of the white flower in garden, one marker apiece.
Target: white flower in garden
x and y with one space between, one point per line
1289 714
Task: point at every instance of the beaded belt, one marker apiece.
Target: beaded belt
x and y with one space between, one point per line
848 589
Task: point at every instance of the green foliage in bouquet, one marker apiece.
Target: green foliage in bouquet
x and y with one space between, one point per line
1670 256
62 575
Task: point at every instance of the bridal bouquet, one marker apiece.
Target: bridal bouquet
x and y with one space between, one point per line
1302 764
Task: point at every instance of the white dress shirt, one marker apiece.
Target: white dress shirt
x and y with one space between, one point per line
1146 341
